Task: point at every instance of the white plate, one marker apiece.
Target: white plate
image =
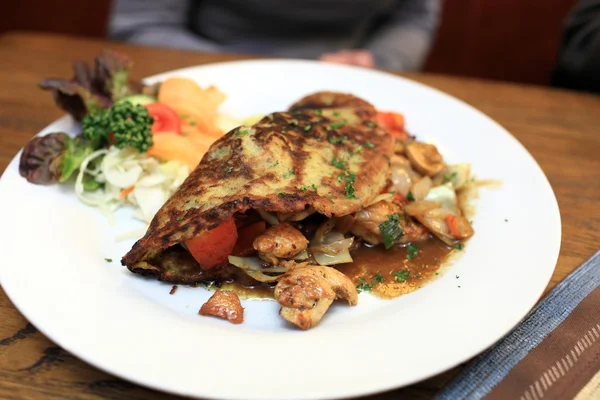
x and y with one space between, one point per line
53 266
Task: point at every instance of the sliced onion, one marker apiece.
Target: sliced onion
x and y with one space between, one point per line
334 249
459 174
421 188
381 197
296 216
252 267
303 255
420 207
446 196
324 229
267 216
401 180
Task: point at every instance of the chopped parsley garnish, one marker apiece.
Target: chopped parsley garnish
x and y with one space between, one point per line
357 149
179 218
363 286
378 278
371 124
459 246
350 178
280 194
303 188
391 230
229 170
336 114
108 259
290 172
319 112
411 252
401 276
314 186
193 123
338 163
369 145
449 177
336 125
276 163
307 127
293 123
242 133
410 197
333 140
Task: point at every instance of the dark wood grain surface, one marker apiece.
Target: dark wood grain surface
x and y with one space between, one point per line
561 129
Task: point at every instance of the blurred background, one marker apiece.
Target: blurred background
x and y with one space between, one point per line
509 40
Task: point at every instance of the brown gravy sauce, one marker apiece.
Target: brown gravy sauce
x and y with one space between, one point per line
370 261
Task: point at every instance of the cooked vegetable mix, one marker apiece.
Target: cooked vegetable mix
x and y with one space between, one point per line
326 200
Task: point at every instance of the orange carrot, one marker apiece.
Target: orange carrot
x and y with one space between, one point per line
196 106
125 192
171 146
452 222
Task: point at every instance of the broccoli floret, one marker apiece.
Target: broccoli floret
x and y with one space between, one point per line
121 125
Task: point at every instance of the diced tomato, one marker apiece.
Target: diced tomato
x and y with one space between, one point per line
246 235
452 222
392 122
212 247
165 118
399 199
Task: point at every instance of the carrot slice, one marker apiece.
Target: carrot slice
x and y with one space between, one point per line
452 222
125 192
195 105
171 146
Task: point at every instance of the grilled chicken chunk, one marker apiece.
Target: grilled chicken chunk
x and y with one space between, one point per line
281 241
306 293
367 221
224 304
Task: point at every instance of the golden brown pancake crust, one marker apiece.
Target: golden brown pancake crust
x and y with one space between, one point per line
285 163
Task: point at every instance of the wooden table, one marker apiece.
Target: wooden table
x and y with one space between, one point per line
560 128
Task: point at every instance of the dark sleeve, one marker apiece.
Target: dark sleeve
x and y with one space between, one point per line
161 23
578 63
404 41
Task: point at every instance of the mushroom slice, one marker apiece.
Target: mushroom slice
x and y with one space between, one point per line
425 158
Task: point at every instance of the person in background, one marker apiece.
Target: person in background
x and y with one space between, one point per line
578 64
393 34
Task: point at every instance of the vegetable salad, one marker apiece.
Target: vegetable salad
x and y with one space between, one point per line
137 143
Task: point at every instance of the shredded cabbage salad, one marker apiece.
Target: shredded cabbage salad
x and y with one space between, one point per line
129 178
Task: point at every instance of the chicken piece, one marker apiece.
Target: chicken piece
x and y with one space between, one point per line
281 241
224 304
306 293
367 221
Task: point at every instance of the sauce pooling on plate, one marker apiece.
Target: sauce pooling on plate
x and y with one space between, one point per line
385 273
